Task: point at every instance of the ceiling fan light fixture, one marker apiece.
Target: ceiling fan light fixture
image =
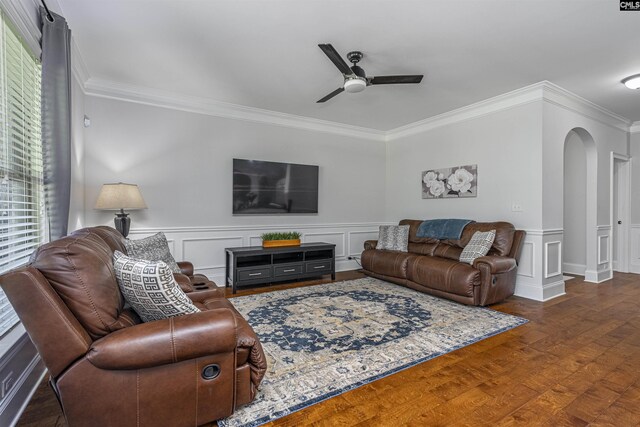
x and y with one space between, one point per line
632 82
354 85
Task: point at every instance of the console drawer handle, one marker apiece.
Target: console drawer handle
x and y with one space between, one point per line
289 270
320 266
255 274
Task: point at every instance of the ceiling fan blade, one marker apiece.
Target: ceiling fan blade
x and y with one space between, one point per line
331 95
335 57
390 80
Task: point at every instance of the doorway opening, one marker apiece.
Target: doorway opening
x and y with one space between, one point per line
580 238
620 197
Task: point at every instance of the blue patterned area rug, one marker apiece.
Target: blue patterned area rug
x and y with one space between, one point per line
323 340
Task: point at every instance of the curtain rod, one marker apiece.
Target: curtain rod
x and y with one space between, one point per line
49 15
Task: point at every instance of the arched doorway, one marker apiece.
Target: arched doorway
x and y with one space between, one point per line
580 211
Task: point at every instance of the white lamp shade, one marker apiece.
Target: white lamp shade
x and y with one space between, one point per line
120 196
355 85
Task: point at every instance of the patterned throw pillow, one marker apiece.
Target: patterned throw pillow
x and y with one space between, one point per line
152 248
393 238
150 288
478 246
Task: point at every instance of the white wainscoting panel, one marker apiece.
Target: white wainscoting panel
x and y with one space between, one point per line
603 249
552 259
204 246
337 238
539 276
208 252
357 238
255 241
634 256
603 270
527 263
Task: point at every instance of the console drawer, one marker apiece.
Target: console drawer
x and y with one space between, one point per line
254 273
287 270
324 266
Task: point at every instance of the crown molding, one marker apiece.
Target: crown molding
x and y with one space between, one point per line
544 90
141 95
505 101
559 96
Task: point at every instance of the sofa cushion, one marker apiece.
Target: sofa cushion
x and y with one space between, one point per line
80 270
422 248
478 246
150 288
386 263
501 244
393 237
443 274
152 248
414 224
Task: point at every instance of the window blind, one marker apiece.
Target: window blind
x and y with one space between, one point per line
21 188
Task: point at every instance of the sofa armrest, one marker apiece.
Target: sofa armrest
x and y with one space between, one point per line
184 282
186 268
370 244
166 341
496 264
203 296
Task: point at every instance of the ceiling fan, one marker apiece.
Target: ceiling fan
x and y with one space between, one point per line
355 79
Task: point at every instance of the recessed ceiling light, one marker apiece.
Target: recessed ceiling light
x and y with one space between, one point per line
632 82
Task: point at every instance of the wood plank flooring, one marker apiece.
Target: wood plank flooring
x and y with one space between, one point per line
576 363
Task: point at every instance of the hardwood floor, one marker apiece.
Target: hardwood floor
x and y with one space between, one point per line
576 363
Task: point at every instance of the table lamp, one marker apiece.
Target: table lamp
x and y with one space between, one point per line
120 196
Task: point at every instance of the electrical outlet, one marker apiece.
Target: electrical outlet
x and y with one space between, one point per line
6 385
516 207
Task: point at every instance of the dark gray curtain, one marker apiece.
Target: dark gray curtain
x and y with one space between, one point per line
56 121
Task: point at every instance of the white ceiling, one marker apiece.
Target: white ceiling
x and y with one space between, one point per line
264 53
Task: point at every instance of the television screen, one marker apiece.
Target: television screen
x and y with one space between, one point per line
272 188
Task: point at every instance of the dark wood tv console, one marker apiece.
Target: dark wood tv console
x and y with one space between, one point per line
254 265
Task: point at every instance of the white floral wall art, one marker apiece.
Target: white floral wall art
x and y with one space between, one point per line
459 181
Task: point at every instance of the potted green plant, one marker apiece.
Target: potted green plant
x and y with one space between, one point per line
276 239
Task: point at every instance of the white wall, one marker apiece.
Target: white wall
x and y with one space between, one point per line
506 146
76 205
182 162
574 253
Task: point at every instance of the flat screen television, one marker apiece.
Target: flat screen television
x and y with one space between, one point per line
261 187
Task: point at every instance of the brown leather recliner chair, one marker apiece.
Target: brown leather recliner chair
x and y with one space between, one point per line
109 369
187 280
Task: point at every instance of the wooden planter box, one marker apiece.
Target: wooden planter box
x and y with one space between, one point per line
280 243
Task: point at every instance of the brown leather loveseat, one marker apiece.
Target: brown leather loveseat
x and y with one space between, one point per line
433 266
109 369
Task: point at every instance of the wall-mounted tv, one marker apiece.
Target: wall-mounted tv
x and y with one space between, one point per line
261 188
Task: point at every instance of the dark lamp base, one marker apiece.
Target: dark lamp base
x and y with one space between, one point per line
122 222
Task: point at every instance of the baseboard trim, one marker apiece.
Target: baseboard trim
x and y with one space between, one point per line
571 268
537 293
592 276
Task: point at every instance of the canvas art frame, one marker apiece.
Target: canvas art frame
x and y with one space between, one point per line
448 183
